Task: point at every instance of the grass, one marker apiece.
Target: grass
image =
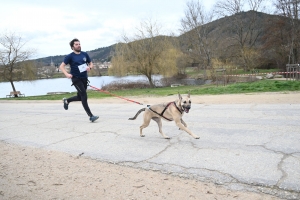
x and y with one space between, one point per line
192 71
259 86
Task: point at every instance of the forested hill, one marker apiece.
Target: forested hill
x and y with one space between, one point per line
100 54
221 31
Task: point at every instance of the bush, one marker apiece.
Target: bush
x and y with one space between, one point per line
125 84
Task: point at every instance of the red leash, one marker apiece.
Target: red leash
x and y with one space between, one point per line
104 91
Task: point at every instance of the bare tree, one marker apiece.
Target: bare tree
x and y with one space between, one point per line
244 29
12 57
146 53
290 9
275 50
196 36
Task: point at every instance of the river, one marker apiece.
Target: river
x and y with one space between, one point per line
42 87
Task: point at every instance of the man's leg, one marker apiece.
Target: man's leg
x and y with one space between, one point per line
74 98
81 95
81 86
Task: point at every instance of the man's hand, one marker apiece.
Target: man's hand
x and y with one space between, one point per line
68 75
89 67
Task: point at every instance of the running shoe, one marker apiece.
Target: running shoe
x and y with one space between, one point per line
93 118
66 104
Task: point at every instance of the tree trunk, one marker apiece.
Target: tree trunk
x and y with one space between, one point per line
13 87
150 81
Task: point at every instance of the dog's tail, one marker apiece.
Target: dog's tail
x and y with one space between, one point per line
139 112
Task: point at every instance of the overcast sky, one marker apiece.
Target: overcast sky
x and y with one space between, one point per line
49 25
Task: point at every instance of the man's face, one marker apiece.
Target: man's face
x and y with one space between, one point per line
77 47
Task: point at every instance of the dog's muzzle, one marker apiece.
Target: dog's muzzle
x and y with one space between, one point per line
186 108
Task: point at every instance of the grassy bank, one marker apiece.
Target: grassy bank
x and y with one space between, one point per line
259 86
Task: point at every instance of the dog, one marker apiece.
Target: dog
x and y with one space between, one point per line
172 111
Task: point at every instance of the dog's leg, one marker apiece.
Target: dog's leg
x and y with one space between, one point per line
183 122
182 127
159 123
145 124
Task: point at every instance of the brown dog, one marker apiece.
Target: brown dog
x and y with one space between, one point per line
171 111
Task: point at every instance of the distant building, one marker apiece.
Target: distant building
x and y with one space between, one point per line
51 63
100 65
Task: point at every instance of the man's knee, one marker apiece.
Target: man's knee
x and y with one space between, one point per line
83 95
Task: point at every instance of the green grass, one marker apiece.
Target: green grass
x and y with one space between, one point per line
192 71
259 86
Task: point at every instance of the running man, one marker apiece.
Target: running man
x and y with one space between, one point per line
80 63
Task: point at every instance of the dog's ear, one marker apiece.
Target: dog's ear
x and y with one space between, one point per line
179 97
188 95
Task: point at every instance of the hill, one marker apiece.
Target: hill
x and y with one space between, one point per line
247 39
221 33
100 54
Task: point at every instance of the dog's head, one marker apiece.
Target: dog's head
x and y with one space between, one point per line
185 103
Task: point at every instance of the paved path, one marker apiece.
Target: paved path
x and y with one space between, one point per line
241 146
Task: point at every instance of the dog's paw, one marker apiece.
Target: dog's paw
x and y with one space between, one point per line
142 135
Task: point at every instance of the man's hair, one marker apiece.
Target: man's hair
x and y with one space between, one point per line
73 41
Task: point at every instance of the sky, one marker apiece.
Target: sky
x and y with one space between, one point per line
49 26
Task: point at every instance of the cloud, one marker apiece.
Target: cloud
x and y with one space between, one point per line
50 25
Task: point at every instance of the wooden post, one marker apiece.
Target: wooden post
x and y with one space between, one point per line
224 77
293 71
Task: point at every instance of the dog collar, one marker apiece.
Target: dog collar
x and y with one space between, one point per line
178 108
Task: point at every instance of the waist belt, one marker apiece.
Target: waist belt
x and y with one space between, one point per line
77 79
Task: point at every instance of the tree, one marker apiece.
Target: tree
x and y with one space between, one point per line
290 9
196 37
28 70
147 53
244 29
275 39
183 61
12 57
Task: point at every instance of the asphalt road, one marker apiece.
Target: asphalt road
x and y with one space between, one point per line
252 147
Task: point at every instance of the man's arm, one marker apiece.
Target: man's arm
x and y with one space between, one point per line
62 68
90 66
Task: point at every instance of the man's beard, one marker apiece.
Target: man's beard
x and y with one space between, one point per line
78 49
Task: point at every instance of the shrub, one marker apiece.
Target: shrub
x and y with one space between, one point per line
125 84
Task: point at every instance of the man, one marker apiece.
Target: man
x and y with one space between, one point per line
80 63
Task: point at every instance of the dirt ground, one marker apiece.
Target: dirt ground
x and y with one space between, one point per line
31 173
249 98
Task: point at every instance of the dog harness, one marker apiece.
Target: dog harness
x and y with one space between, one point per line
162 113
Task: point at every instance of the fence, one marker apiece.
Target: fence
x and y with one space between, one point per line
223 78
293 72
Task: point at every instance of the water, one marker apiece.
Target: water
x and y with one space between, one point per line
42 87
